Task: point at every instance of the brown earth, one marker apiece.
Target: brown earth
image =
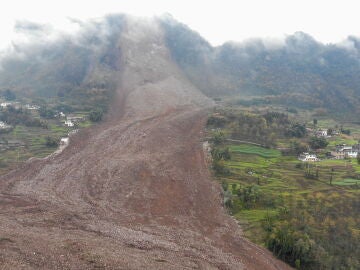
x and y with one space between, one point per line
133 192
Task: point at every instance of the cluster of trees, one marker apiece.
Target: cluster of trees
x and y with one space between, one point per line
318 142
13 116
8 95
248 197
219 154
310 232
46 112
318 231
296 130
51 141
258 128
96 115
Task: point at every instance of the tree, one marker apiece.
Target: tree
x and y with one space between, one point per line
9 95
296 130
249 195
220 154
96 115
299 147
51 142
218 138
315 121
331 175
358 158
317 143
46 112
219 168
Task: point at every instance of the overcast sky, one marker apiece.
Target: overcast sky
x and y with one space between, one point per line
216 20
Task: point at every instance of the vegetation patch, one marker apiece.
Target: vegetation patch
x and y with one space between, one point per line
255 150
306 213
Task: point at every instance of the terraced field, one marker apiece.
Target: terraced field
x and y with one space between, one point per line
281 176
33 142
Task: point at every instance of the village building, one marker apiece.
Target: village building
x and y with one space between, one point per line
322 133
356 147
75 118
32 107
5 104
69 123
3 125
64 141
344 151
308 157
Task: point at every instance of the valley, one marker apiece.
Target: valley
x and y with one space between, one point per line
176 154
295 208
133 192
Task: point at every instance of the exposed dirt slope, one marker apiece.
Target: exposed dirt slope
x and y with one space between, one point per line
132 193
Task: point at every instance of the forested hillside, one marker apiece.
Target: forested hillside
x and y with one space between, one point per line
298 71
76 68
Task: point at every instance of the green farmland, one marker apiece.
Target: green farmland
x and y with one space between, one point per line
295 209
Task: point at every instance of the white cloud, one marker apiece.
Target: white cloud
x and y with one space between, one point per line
216 20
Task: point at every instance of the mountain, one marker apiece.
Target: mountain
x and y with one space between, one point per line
298 72
79 69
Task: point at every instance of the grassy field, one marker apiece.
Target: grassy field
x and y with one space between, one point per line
255 150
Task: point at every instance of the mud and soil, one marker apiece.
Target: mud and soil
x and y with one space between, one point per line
133 192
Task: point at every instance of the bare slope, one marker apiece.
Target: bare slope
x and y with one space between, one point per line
132 193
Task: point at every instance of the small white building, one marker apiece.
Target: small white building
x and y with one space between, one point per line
69 123
32 107
343 148
352 154
308 157
75 119
3 125
5 104
322 133
344 151
64 141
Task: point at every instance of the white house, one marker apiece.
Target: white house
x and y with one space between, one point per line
32 107
3 125
343 148
352 154
68 123
308 157
322 133
343 151
5 104
75 119
64 141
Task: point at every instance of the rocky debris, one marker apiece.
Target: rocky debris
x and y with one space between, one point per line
116 199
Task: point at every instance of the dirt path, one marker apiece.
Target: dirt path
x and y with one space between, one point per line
133 192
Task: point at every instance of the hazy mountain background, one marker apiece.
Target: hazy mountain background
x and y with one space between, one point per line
298 71
76 68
